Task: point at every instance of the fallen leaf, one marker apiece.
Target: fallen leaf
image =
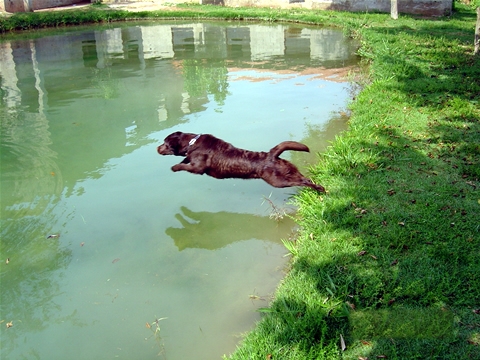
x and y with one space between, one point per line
361 253
7 261
82 243
115 260
147 325
373 257
401 223
9 324
476 311
53 236
471 183
363 211
342 343
394 262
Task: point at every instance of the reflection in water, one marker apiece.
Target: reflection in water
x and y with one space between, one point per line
81 114
212 231
25 157
201 78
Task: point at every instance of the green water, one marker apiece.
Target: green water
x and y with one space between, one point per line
82 112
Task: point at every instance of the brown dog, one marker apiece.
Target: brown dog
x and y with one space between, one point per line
206 154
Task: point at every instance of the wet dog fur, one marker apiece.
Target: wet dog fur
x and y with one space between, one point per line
206 154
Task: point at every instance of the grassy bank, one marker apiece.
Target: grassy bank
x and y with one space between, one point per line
388 262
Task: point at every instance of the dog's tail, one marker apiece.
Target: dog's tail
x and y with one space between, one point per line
287 145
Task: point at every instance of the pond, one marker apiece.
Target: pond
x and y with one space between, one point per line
107 253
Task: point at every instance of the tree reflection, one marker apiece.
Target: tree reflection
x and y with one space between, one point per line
206 77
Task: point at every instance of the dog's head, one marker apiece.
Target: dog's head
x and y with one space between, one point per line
174 144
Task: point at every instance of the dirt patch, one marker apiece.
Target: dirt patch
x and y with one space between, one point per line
335 75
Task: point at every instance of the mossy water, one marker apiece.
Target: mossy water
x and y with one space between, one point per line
110 254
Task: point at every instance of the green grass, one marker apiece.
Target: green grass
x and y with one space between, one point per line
389 259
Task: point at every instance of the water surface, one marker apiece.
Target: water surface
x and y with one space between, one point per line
145 262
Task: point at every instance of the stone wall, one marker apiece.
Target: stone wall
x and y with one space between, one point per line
417 7
31 5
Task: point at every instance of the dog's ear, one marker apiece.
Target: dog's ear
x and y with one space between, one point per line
174 142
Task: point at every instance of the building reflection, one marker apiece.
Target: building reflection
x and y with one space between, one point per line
27 65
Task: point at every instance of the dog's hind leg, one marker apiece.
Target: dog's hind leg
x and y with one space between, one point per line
303 181
285 174
310 184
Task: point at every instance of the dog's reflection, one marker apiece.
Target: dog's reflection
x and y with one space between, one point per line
212 231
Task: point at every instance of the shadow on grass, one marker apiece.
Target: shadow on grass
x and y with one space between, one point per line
413 217
395 271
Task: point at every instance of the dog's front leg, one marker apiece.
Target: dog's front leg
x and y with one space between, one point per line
191 165
180 166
